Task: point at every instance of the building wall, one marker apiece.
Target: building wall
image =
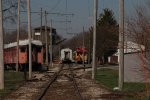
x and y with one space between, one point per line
37 35
133 69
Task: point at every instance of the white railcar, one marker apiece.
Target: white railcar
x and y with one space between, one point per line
66 55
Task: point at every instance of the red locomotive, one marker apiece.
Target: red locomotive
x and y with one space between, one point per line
10 54
80 55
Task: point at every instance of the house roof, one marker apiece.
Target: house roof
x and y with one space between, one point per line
131 47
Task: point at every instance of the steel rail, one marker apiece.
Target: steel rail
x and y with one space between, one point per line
39 97
54 78
74 82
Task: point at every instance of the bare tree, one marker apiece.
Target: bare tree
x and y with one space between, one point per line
139 28
10 9
74 42
11 36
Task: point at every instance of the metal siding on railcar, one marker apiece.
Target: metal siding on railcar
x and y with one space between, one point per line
80 55
66 56
10 56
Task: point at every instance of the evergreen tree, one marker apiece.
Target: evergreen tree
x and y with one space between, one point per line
107 35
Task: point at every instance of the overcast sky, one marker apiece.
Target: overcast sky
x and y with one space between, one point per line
82 10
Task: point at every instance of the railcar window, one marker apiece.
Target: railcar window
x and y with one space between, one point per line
22 49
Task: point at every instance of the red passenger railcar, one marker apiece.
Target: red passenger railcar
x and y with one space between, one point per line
10 54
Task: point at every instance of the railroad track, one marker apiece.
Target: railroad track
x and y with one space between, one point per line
66 72
29 88
75 83
63 82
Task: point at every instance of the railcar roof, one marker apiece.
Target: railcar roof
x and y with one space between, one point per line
22 43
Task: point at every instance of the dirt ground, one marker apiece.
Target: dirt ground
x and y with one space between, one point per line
62 88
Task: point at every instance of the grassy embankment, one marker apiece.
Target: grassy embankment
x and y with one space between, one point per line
12 80
131 91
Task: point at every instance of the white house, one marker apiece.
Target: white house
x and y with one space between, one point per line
129 48
134 70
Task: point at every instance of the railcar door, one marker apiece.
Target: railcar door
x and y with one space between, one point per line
34 54
40 55
67 55
23 55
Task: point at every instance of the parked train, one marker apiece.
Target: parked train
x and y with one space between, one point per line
66 56
10 54
80 55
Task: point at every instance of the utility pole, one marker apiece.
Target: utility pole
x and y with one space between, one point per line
18 35
66 16
1 49
121 44
41 24
29 38
83 50
94 39
51 44
89 50
46 39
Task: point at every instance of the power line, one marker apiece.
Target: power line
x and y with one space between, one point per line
9 29
61 21
30 12
55 13
58 2
38 2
